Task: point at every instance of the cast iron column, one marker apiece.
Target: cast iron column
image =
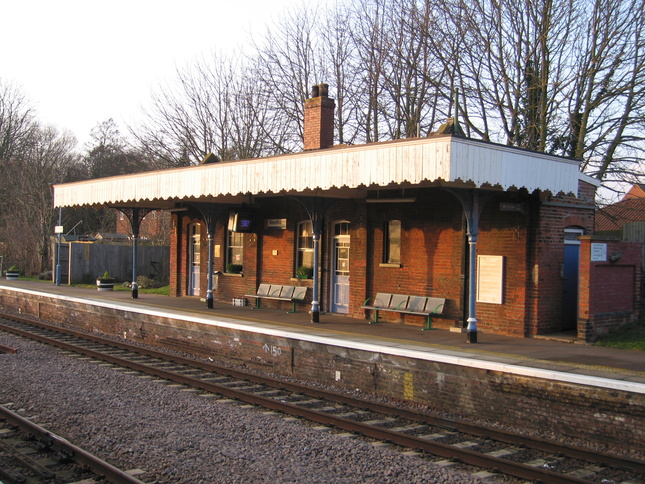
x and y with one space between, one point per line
136 222
316 225
135 215
473 202
209 213
209 277
316 208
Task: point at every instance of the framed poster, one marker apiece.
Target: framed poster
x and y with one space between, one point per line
490 279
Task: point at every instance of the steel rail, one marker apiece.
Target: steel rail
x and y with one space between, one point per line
464 455
78 455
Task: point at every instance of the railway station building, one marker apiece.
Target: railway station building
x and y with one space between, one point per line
495 232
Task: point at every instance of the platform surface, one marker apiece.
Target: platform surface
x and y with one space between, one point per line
559 357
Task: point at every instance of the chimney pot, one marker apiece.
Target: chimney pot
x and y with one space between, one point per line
324 90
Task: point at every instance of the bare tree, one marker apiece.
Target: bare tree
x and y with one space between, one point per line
607 105
558 76
108 153
289 60
45 157
216 106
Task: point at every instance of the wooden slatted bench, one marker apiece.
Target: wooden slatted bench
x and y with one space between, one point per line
277 292
399 303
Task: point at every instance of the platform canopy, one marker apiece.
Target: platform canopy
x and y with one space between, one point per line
341 171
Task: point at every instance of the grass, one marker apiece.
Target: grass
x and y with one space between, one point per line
630 337
163 290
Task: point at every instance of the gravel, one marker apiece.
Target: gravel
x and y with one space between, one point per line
180 436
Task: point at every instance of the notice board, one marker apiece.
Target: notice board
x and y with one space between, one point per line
490 279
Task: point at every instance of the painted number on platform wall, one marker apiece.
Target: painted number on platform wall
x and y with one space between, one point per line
273 350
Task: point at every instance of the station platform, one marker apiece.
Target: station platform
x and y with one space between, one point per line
558 357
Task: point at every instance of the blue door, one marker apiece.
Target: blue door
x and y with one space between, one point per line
570 286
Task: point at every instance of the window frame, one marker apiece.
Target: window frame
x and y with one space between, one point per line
304 251
391 244
234 240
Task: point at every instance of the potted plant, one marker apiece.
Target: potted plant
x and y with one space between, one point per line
234 268
304 272
105 282
12 273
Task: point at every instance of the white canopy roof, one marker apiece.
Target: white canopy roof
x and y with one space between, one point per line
443 160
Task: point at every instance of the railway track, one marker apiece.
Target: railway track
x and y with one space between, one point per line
30 454
493 450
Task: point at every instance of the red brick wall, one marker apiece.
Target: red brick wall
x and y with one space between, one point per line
506 234
555 214
152 225
609 291
433 255
176 247
432 252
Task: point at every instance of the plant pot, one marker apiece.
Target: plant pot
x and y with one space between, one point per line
12 275
105 284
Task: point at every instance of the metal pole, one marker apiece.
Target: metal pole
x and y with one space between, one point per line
135 237
209 292
315 306
473 202
471 329
60 217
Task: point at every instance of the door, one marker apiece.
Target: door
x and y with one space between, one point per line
570 278
194 267
340 269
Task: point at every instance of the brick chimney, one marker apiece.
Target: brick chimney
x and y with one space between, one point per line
319 119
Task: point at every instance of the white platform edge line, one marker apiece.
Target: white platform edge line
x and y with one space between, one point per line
428 355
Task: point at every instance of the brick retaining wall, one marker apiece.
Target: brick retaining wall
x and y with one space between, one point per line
576 411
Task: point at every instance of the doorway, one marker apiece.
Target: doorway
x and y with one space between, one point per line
340 269
570 272
194 266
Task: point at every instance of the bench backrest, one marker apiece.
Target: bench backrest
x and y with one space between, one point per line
398 302
435 305
417 303
299 293
381 300
263 289
401 302
287 292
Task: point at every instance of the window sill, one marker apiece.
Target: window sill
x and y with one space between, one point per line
231 274
398 266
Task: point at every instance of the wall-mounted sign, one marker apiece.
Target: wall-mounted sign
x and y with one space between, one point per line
275 223
241 222
598 252
511 207
490 279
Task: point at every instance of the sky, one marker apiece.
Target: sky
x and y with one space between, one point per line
81 62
